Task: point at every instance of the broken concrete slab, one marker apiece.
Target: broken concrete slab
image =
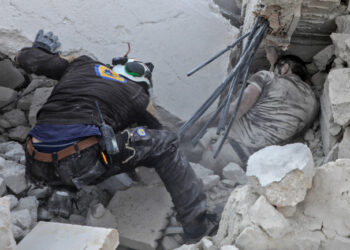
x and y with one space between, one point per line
7 241
19 133
343 24
12 151
7 95
339 91
25 102
341 42
40 97
282 173
15 117
141 213
58 236
235 173
14 175
10 77
269 219
323 58
99 216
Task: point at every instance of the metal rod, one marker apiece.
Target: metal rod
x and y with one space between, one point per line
218 54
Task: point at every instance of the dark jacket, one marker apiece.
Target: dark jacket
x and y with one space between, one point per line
81 83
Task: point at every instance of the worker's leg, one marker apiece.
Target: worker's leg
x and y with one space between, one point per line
160 149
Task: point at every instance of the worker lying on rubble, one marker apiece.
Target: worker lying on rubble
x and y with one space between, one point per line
277 107
66 147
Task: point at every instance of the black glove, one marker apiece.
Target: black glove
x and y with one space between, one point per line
49 42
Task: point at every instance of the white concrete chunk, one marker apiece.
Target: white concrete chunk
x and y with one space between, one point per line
13 174
343 24
13 150
235 173
341 42
210 181
7 241
30 203
229 248
58 236
201 171
142 213
267 217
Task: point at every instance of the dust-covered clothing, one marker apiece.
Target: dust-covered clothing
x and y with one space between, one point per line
286 106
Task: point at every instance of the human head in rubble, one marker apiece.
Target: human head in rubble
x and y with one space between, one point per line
291 64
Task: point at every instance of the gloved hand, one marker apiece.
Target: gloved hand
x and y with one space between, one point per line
48 41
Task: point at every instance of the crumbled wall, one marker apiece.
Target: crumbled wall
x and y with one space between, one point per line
175 35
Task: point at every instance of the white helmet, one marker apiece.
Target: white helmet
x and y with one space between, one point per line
135 71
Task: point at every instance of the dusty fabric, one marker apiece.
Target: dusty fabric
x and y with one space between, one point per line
286 106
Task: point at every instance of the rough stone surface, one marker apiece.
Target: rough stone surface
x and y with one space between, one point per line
201 171
22 221
235 173
13 201
322 58
2 187
269 219
7 95
19 133
99 216
30 203
57 236
7 241
229 248
10 77
169 243
12 151
210 181
13 174
343 24
197 22
116 183
40 97
141 214
342 45
15 117
344 145
25 102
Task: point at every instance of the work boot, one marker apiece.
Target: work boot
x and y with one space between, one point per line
204 225
60 204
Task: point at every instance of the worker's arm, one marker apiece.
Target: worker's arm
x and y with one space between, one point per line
40 62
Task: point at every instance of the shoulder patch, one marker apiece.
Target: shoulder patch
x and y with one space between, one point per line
108 74
141 132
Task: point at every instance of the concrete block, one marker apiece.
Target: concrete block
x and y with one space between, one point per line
343 24
19 133
2 187
323 58
7 241
10 77
235 173
23 220
58 236
25 102
7 95
341 42
14 175
15 117
142 213
40 97
210 181
169 243
12 151
201 171
344 145
267 217
30 203
282 173
13 201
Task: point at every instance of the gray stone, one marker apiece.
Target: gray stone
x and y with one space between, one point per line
228 183
318 80
148 176
309 135
22 219
13 200
253 237
269 219
201 171
141 214
30 203
39 82
229 248
44 214
116 183
99 216
4 123
19 133
77 219
40 97
210 181
7 241
12 151
39 192
322 58
14 175
328 199
311 68
2 187
15 117
344 145
339 63
342 46
57 236
173 230
332 154
7 95
10 77
208 244
18 232
25 102
339 92
343 24
282 173
169 243
235 173
287 211
335 129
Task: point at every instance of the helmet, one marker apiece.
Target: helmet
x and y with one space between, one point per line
135 71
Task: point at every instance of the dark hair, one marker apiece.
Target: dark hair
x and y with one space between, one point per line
296 64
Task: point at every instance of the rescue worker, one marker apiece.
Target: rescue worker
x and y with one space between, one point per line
277 106
65 147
